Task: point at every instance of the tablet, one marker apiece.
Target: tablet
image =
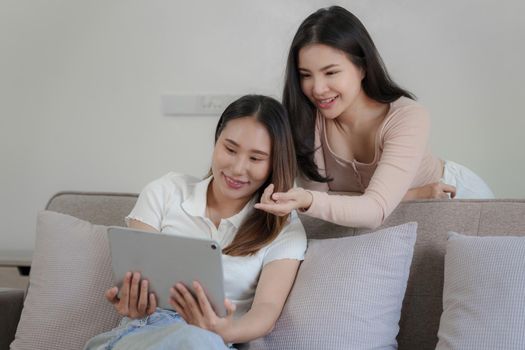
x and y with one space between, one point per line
165 259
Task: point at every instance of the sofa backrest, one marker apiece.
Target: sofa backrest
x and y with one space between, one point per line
99 208
422 305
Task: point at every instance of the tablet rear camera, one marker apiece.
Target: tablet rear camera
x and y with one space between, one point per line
213 246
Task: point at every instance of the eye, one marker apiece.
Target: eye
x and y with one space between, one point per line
332 72
255 159
230 150
303 76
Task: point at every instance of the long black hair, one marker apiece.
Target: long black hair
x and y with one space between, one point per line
260 228
338 28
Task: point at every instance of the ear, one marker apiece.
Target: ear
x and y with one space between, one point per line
362 72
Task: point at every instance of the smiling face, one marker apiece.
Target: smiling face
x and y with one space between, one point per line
329 79
241 160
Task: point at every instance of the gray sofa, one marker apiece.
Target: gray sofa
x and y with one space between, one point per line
422 304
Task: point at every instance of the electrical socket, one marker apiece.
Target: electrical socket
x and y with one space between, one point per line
184 105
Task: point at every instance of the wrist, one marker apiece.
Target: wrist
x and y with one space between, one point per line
308 199
228 333
413 194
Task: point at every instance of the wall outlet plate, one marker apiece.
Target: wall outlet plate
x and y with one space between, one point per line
185 105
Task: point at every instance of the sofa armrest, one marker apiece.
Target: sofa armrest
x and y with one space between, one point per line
11 303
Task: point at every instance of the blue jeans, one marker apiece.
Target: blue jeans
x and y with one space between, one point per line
164 329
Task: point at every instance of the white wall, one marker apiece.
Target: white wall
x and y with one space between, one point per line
80 86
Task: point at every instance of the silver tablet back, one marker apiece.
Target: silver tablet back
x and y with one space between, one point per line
165 259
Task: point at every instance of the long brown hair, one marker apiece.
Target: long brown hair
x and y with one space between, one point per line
338 28
260 228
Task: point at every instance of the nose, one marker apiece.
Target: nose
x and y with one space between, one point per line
240 166
319 86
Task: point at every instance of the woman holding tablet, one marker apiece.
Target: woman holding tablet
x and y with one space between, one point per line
261 251
355 130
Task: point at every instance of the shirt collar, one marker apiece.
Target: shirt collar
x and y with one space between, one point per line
195 203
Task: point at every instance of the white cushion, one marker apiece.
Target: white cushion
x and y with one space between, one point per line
348 293
483 294
71 269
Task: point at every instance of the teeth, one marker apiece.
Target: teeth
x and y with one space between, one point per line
328 100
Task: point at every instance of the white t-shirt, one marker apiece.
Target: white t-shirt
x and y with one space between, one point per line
176 204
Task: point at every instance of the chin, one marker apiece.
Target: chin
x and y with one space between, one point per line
236 194
330 115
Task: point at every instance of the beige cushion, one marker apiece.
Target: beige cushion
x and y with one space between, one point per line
348 293
483 294
65 304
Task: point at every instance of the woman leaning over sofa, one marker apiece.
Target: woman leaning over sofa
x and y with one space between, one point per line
355 130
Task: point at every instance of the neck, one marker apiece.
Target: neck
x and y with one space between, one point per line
363 111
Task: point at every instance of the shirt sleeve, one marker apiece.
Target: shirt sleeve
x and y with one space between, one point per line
151 204
403 143
290 244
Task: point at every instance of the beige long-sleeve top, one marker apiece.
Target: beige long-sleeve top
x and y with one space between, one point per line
402 161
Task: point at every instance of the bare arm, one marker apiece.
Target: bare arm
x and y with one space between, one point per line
132 223
274 285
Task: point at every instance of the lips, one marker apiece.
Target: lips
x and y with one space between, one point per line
327 102
233 183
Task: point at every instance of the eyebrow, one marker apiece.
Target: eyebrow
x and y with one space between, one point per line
253 150
333 65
